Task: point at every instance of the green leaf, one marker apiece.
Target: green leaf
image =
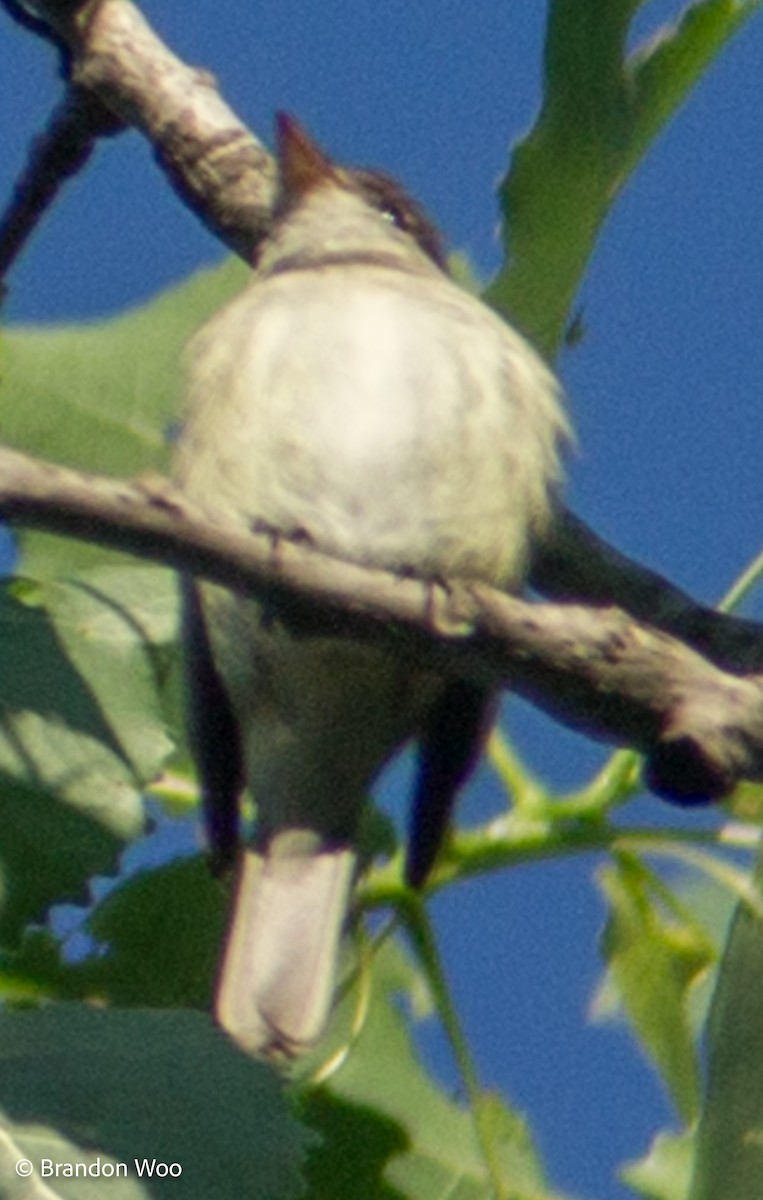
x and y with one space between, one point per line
37 971
665 1173
654 958
730 1137
162 930
53 735
746 802
411 1139
147 1085
119 627
668 66
158 936
49 851
44 1148
601 111
102 396
68 798
87 665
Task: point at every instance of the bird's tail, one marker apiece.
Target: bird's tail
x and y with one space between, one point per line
279 964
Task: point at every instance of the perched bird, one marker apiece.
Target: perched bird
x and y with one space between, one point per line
355 394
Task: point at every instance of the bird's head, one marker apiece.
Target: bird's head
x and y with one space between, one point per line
347 202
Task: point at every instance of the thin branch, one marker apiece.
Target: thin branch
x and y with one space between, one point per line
21 11
57 154
576 563
594 668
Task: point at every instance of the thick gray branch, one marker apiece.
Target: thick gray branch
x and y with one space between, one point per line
215 164
595 668
212 160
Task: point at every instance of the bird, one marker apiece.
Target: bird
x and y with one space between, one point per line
354 395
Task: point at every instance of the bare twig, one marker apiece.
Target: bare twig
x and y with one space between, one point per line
576 563
57 154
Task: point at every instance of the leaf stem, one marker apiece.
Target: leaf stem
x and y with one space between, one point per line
742 586
485 850
421 934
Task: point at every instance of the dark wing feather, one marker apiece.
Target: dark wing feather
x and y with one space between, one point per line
214 733
450 745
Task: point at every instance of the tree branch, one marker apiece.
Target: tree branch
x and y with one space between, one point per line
57 154
595 669
123 75
575 563
217 166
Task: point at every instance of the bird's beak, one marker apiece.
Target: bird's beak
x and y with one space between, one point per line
302 164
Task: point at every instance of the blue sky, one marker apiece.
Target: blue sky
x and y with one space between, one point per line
665 392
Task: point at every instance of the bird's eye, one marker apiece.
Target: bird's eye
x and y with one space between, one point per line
393 215
395 207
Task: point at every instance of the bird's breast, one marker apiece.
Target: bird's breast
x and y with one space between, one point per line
383 416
